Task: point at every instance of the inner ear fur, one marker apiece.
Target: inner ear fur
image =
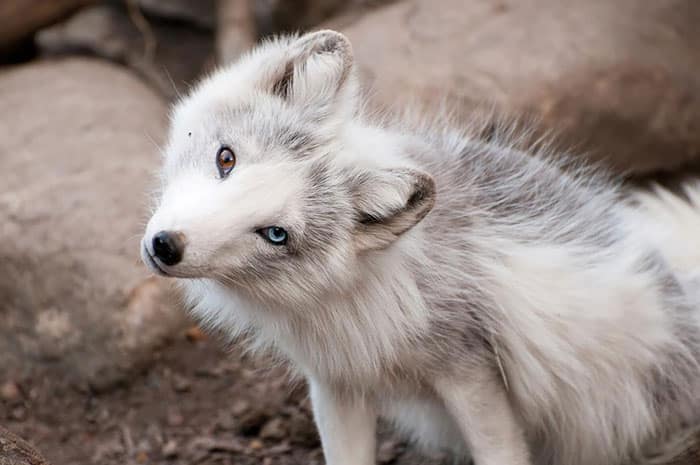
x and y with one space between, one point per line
321 60
391 203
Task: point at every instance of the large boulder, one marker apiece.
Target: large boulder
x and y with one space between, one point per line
236 29
617 79
16 451
78 146
241 22
275 16
167 48
21 18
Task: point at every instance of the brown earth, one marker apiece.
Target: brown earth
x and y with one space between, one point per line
198 404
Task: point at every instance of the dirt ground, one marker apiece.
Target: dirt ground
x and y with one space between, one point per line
197 404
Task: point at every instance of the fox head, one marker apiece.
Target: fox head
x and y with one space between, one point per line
262 189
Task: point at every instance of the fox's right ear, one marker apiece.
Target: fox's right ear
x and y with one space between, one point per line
388 203
317 72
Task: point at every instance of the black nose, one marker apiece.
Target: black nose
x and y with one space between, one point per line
168 247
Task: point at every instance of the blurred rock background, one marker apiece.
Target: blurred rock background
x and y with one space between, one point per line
98 364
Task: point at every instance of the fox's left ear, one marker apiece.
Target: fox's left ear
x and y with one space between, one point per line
388 203
318 71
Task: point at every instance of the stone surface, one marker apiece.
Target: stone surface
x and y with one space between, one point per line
15 451
241 22
236 29
275 16
623 87
21 18
170 55
200 12
78 143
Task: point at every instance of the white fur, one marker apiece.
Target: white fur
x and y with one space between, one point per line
672 224
533 316
348 429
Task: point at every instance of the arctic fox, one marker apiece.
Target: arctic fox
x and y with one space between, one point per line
487 301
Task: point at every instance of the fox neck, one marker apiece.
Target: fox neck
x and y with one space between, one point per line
363 331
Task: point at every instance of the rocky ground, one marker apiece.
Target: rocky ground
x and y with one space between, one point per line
198 404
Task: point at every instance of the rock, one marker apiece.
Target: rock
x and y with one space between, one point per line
622 87
181 384
15 451
195 334
256 444
78 139
251 422
10 392
275 16
21 18
169 55
175 418
18 413
236 29
274 429
225 421
240 407
170 449
200 13
242 22
303 432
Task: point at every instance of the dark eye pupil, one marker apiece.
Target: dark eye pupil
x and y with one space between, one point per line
225 160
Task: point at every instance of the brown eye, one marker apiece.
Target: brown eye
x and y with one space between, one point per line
225 161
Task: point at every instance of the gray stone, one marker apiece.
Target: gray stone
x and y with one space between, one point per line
170 56
200 12
16 451
623 87
20 19
78 140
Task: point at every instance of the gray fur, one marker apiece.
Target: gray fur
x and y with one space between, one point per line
427 273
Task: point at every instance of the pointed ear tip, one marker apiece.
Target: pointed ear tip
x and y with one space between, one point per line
331 33
426 181
425 188
330 40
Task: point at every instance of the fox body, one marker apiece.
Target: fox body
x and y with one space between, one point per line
485 300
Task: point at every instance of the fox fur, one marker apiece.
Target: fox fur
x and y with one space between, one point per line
486 300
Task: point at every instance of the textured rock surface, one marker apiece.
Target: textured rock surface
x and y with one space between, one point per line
166 47
15 451
623 87
21 18
274 16
77 152
236 29
241 22
200 12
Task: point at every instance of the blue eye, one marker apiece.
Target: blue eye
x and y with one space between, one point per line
274 235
